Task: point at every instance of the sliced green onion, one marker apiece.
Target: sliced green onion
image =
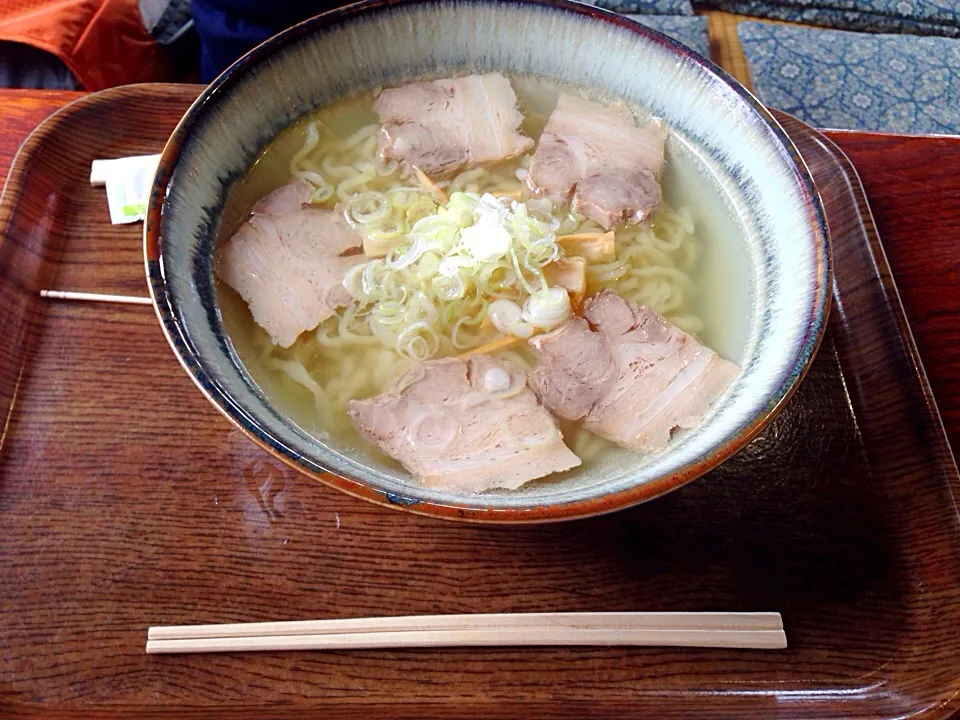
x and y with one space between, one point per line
436 281
428 265
418 342
449 288
549 310
455 334
523 281
352 281
420 209
398 261
367 207
321 194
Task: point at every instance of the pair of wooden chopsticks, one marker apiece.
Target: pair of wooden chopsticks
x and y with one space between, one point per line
725 629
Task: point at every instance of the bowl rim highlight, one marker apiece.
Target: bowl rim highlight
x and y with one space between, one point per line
597 505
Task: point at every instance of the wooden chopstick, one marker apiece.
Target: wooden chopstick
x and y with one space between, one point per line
740 630
542 636
95 297
651 620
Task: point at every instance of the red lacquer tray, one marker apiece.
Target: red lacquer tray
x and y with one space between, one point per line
126 501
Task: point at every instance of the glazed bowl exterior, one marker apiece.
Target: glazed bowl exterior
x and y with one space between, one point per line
750 160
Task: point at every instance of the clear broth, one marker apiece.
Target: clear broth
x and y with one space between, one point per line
720 274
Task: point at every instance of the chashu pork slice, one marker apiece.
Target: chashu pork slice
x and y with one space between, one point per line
287 262
444 125
596 159
629 374
466 426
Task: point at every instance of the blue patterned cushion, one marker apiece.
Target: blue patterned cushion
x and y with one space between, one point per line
943 12
916 18
646 7
835 79
691 31
671 17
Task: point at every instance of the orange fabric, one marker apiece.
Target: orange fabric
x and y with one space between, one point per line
103 42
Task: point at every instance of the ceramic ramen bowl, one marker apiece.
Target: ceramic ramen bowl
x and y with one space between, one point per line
750 165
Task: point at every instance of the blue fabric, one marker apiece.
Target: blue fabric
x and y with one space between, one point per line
646 7
229 28
24 66
917 17
691 31
856 81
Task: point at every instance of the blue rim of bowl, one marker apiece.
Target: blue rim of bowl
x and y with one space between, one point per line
190 359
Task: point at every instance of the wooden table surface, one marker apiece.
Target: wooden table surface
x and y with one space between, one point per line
918 221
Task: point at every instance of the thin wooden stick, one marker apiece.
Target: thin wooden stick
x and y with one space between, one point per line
749 630
529 637
661 620
95 297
